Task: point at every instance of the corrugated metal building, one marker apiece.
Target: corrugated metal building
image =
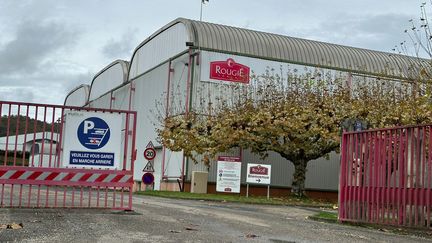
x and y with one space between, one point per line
170 72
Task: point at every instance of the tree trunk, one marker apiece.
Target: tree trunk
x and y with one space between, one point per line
298 184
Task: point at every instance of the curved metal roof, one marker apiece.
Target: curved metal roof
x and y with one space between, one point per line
86 89
227 39
124 65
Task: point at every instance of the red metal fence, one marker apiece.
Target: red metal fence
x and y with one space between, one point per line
386 176
31 167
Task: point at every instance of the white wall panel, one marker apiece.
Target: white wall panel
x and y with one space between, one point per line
149 100
162 47
149 90
102 102
207 90
77 97
107 80
173 163
121 98
149 93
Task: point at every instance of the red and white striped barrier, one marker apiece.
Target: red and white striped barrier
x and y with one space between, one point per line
65 177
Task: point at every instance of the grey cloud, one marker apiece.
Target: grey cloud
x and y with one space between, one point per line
378 25
50 87
17 94
378 32
76 80
121 48
34 42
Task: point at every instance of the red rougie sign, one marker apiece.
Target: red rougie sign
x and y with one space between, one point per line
229 70
260 170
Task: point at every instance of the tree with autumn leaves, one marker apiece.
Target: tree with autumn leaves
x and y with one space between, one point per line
300 117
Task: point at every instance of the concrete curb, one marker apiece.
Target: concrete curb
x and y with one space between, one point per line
326 220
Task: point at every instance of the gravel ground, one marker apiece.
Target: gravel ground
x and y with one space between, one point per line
170 220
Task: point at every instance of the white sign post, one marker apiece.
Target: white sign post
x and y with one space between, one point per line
92 140
258 174
228 174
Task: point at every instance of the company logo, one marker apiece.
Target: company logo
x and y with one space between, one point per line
258 170
93 133
229 70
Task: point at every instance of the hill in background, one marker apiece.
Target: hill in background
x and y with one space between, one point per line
20 122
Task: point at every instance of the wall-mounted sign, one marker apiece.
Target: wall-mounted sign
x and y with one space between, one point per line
92 139
258 174
228 174
229 70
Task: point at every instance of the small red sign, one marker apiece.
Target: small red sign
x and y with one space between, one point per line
258 170
229 70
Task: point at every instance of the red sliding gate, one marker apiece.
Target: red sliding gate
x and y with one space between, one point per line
32 173
386 176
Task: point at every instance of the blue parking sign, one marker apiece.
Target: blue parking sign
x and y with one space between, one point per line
93 133
92 140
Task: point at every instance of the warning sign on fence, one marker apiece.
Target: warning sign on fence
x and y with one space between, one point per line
92 139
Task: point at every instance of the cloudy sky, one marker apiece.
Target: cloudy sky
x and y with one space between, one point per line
48 47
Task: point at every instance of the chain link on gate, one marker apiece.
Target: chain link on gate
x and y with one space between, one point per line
32 164
386 176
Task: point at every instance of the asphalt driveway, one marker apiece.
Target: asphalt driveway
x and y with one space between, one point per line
171 220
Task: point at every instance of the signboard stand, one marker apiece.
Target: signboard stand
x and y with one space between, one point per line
258 174
229 174
268 191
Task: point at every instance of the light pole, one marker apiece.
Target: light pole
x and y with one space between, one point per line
202 3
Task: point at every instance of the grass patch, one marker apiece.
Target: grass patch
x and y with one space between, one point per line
292 201
332 217
325 216
18 161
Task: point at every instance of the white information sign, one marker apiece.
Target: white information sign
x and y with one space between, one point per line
92 140
229 172
258 174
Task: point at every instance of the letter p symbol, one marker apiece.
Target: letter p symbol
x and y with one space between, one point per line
88 125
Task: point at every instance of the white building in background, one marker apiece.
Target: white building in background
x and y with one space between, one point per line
187 62
43 145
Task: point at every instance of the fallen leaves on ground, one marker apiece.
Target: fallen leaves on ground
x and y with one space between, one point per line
251 236
11 226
